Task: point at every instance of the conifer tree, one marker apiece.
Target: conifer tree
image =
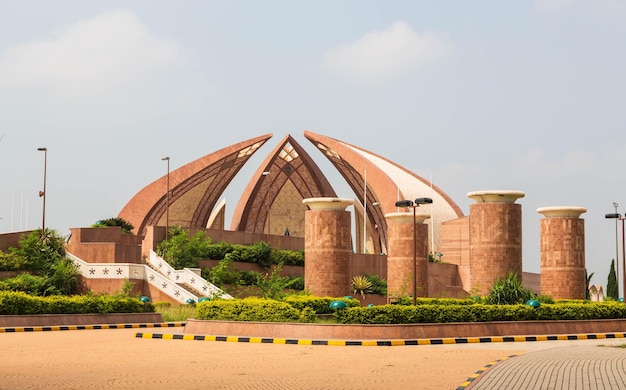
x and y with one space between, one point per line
611 283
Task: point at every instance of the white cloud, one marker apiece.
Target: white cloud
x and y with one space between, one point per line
382 55
92 55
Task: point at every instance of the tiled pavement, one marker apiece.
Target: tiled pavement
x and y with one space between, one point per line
568 367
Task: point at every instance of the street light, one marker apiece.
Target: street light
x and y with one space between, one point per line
414 204
42 194
267 195
616 217
167 201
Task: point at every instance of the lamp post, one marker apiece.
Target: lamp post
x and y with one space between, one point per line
267 196
42 194
616 217
414 204
167 199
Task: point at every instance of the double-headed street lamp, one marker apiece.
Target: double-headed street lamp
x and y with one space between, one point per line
414 204
42 194
616 216
167 199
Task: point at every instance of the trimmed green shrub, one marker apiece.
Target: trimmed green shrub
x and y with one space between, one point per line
399 314
15 303
27 283
13 262
320 305
252 309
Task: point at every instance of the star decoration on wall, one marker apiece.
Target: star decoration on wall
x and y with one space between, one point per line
164 285
119 271
105 271
152 278
92 271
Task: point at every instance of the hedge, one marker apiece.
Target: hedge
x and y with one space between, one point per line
17 303
428 313
252 309
320 305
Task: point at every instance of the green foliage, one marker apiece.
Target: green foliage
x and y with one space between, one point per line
64 279
175 313
16 303
223 273
361 284
27 283
379 286
40 253
13 262
181 251
509 291
398 314
252 309
320 305
126 226
287 257
611 283
587 283
272 285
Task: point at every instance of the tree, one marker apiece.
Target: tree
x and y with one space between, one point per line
611 283
587 283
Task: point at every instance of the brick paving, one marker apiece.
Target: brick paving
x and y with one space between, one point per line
569 367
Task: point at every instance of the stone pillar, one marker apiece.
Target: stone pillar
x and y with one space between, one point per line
400 256
495 237
327 246
563 252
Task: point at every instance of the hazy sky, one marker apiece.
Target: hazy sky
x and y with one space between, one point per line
480 95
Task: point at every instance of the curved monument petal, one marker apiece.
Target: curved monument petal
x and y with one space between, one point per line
272 200
386 183
194 189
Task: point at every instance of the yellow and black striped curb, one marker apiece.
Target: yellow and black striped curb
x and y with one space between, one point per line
89 327
379 343
478 373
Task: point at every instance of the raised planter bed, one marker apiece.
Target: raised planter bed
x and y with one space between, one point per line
78 319
411 331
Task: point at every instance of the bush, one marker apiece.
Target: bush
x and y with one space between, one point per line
181 251
319 305
126 226
17 303
13 262
26 283
252 309
398 314
509 291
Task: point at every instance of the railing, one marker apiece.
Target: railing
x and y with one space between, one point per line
154 278
187 277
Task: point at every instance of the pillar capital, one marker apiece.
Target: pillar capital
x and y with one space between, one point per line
328 203
495 196
407 217
561 211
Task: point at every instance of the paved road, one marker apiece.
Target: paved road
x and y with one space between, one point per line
116 358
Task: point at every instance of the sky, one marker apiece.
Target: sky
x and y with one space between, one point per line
480 95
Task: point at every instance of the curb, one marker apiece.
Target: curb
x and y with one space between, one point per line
88 327
380 343
478 373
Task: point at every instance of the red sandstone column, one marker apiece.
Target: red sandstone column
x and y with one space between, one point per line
495 237
400 256
327 246
563 252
